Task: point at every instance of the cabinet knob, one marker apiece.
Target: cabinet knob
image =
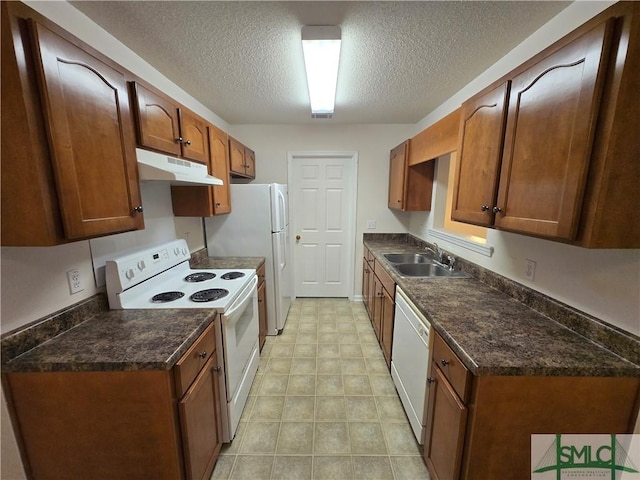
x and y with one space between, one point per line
217 368
444 362
179 140
399 201
187 142
217 204
496 209
138 209
430 380
202 354
484 208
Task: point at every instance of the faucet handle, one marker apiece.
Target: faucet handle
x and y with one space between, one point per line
451 260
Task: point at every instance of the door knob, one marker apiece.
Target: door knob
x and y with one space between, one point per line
298 237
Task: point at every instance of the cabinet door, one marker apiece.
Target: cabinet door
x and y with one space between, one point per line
157 119
482 126
236 157
201 424
195 141
262 314
553 108
387 325
445 429
371 295
365 285
91 135
397 176
219 148
249 163
376 318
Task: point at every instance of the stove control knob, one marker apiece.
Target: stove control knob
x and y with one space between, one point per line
176 251
141 265
129 274
184 251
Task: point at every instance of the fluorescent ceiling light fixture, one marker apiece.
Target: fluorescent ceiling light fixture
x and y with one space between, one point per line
321 49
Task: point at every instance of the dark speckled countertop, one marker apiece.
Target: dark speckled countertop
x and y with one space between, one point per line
495 334
90 337
118 340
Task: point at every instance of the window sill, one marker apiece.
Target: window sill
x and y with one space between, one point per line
462 241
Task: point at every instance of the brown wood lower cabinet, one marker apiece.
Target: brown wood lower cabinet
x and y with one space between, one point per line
480 427
447 417
262 307
379 290
121 424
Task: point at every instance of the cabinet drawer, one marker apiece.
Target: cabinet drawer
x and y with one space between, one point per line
191 362
385 279
261 274
452 368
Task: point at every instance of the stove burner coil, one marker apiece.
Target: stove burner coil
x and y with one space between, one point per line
232 275
209 295
199 277
165 297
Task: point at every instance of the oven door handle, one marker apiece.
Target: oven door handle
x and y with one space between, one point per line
241 299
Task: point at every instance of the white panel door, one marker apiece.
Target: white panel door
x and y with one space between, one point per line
322 212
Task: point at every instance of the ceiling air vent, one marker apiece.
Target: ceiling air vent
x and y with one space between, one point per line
322 115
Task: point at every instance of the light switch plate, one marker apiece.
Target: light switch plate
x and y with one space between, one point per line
371 224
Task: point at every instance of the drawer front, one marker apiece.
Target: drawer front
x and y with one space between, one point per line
452 368
261 274
192 362
387 282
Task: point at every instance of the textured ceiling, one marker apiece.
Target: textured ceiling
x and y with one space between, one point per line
243 60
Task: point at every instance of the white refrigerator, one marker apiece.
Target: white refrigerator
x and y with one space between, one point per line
258 226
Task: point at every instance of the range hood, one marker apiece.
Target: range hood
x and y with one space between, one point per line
176 171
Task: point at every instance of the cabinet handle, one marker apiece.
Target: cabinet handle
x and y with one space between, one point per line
187 142
217 204
444 362
138 209
202 354
217 368
484 208
399 201
430 380
496 209
179 140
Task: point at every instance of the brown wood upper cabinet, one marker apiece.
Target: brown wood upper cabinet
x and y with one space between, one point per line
541 149
242 161
163 125
409 186
68 154
204 201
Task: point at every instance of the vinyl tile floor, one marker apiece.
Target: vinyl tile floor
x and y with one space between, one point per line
323 405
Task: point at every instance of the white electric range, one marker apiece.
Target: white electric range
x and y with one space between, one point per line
160 277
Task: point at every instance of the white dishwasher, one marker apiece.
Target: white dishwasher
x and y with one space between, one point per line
410 359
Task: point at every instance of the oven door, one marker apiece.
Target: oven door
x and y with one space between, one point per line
240 327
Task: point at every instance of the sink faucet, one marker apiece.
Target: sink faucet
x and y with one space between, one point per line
437 251
442 258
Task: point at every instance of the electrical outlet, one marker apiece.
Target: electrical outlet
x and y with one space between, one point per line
371 224
529 269
75 281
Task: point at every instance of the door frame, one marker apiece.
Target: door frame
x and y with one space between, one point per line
349 155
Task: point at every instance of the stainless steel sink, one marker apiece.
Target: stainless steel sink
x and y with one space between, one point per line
427 270
417 258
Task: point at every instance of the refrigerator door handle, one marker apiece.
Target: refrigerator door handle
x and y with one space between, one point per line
283 251
282 206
